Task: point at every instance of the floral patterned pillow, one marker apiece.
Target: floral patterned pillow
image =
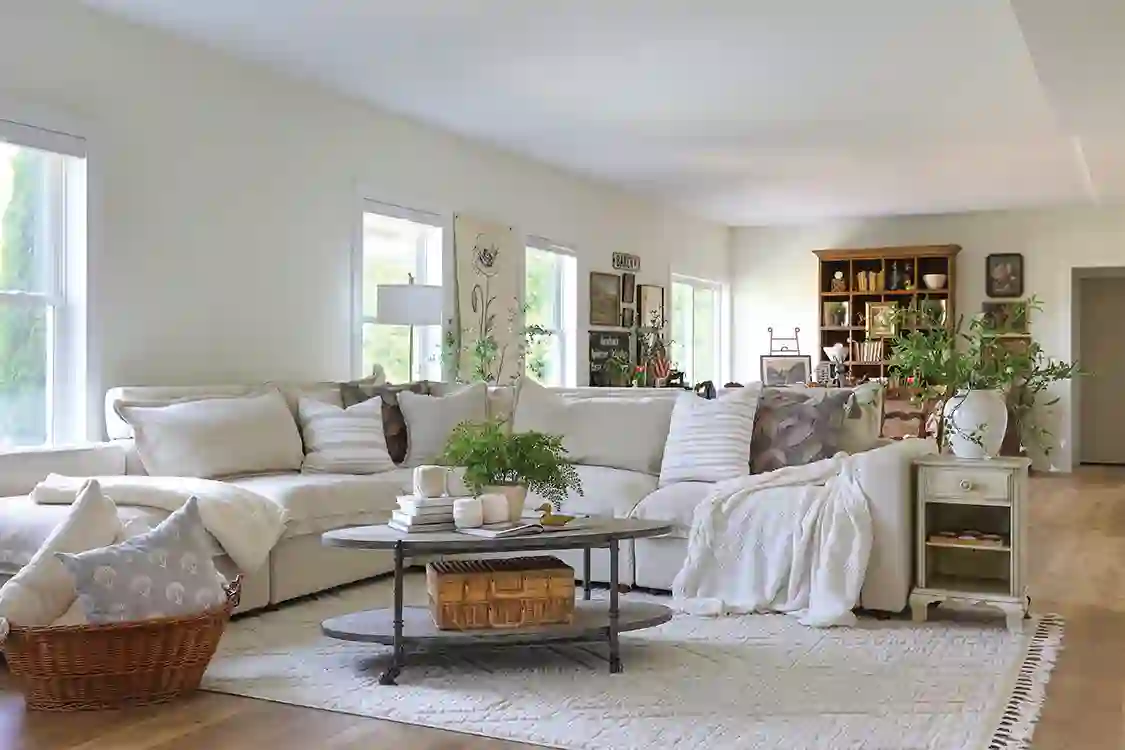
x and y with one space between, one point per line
794 427
165 572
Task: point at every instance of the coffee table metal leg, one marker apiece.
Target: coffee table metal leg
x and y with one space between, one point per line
586 574
391 674
614 613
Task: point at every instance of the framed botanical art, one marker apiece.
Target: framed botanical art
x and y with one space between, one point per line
882 319
651 308
605 299
1004 275
786 369
1005 318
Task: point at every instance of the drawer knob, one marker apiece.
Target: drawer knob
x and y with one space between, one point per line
966 485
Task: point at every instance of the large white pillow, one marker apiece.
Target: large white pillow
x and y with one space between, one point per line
618 432
216 437
43 590
709 440
430 419
344 441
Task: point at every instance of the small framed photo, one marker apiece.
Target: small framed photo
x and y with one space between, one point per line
628 288
605 299
1005 318
651 305
627 317
786 369
1004 275
882 319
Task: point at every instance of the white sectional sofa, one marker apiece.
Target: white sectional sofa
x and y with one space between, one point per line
300 565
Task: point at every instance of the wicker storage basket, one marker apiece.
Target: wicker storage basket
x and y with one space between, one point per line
89 667
514 592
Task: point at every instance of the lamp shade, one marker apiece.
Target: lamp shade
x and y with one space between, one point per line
408 304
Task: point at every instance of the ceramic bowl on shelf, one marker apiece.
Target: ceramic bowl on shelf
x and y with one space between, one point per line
934 280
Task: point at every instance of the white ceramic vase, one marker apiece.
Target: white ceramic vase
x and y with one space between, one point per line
516 494
981 414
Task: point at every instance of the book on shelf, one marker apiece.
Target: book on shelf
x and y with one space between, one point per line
504 530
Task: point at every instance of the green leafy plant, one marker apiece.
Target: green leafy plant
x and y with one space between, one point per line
492 455
937 362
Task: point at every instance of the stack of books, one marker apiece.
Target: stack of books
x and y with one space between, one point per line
421 514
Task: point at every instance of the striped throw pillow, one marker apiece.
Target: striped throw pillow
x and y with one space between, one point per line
343 441
709 440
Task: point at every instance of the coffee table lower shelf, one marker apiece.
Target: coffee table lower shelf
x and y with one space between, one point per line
591 624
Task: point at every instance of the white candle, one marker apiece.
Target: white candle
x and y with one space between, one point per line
430 481
495 508
455 482
468 513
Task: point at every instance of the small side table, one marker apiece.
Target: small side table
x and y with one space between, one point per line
971 534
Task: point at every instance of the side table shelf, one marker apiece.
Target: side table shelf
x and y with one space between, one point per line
971 535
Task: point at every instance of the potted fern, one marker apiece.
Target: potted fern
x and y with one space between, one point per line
497 460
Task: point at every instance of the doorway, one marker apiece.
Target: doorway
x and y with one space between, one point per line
1101 352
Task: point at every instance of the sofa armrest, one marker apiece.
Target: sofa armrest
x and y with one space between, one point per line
22 469
886 475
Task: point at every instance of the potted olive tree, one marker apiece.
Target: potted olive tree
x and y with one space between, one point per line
974 377
508 463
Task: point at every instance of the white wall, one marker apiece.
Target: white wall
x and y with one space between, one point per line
225 201
774 275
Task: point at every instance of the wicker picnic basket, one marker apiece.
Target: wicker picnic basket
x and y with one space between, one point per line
91 667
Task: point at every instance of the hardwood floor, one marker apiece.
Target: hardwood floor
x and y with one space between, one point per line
1077 557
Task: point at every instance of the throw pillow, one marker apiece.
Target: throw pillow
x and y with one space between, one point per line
709 440
216 437
796 427
394 424
166 572
430 419
343 441
619 432
42 591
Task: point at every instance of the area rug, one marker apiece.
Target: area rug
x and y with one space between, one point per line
758 681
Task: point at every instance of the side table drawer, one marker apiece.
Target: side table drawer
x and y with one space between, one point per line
966 482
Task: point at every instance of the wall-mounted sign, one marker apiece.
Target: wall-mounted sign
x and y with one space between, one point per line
626 262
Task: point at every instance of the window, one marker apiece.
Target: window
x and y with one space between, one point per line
399 244
550 291
42 254
697 329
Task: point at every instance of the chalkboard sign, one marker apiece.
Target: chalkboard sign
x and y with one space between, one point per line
603 346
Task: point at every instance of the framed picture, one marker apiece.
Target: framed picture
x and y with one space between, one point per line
786 369
651 299
835 314
627 317
1005 318
628 288
605 299
1004 275
882 319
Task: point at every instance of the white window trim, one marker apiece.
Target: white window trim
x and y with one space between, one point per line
371 205
722 320
567 305
71 414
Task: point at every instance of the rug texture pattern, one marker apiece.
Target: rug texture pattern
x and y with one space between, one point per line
757 681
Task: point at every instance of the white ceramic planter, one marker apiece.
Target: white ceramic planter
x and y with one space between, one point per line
516 494
983 414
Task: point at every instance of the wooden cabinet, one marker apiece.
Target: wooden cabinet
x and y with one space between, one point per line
856 285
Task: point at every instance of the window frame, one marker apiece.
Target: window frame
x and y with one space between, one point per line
359 320
720 322
64 296
566 304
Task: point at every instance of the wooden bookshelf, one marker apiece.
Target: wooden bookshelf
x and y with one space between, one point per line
890 275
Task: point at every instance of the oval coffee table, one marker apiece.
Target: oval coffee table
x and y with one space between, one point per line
403 627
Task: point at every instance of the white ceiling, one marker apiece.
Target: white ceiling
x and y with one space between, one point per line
743 111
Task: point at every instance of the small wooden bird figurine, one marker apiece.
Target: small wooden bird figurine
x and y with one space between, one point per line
550 518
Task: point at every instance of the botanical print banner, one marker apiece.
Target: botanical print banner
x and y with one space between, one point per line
490 261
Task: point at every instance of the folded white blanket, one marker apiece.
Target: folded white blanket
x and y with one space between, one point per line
245 524
795 540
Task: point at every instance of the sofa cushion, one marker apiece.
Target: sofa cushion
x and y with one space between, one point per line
312 499
430 419
344 440
795 427
216 437
617 432
606 492
674 503
394 423
709 440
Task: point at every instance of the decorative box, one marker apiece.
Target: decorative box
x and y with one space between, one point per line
515 592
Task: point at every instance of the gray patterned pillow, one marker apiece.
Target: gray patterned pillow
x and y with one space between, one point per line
165 572
794 427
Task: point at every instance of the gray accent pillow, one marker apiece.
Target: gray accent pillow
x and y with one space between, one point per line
794 427
165 572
